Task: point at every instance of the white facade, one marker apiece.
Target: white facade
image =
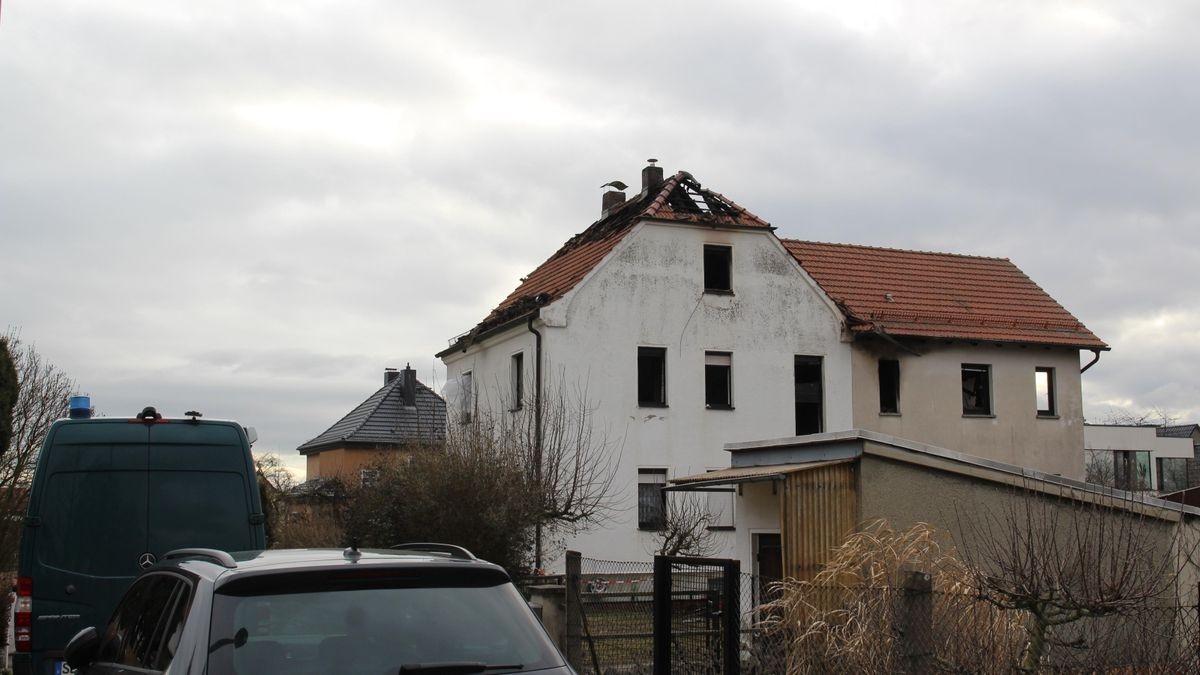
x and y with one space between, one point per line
649 292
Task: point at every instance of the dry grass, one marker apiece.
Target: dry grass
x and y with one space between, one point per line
849 618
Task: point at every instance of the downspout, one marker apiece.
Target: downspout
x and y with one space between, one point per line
1092 362
537 431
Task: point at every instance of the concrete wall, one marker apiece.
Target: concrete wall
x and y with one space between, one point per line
649 292
931 403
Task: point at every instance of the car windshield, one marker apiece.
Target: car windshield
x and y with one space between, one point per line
377 630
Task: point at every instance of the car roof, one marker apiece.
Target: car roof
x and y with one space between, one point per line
212 564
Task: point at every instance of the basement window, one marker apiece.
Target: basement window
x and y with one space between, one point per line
1043 379
652 376
889 387
718 269
718 380
977 389
652 501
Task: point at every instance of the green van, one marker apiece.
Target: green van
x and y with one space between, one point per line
111 495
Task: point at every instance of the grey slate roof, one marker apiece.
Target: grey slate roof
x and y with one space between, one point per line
1177 431
383 420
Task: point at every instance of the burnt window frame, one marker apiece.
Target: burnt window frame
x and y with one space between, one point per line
989 408
889 391
1051 392
517 380
718 269
710 385
645 356
809 361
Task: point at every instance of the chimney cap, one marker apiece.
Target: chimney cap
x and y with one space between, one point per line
652 161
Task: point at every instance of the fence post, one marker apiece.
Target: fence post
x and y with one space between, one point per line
662 615
914 621
573 630
731 614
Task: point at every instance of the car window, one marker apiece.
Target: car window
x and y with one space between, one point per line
144 629
376 630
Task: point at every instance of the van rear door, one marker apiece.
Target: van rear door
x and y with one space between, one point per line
199 495
89 526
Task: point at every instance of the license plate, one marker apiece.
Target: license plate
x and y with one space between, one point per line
61 668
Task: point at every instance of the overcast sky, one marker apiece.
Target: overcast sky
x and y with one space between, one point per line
252 208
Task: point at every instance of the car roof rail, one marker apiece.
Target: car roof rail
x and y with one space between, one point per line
440 549
223 558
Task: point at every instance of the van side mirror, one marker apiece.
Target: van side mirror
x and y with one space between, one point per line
81 650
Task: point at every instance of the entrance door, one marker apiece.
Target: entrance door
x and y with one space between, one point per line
768 558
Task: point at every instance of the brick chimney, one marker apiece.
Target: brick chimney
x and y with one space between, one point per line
652 176
611 199
390 375
410 386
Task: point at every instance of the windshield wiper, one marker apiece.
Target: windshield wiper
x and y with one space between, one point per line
456 667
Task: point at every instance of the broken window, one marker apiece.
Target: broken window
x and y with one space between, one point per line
1043 379
518 380
652 376
652 501
889 386
977 389
806 371
718 269
718 380
466 398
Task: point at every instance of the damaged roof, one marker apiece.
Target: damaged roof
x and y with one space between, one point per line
679 198
384 421
939 295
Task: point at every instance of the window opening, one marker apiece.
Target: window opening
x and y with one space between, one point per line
652 376
718 380
518 380
1044 386
467 397
889 386
652 501
718 269
809 413
1172 474
976 389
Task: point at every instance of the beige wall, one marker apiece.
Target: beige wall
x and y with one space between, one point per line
345 463
905 495
931 402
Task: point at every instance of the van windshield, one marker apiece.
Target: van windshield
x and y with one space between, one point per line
101 512
376 630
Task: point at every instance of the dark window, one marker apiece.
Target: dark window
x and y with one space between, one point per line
976 389
1043 379
1131 470
652 501
718 380
718 268
809 413
889 386
146 626
466 398
1172 474
652 376
518 380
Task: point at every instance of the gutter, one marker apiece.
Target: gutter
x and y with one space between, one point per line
1092 362
537 426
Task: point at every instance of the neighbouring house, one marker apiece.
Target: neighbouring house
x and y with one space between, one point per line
691 324
402 414
1136 457
1192 464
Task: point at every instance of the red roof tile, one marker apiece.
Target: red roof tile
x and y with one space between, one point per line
940 295
680 198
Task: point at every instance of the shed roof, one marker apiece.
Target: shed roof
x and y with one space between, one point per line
384 420
939 295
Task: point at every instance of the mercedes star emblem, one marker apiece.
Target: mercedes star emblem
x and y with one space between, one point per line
146 560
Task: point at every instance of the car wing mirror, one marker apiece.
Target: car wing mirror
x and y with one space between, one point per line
81 650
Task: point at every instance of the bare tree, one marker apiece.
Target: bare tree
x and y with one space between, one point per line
43 395
686 526
1057 560
275 481
1155 417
